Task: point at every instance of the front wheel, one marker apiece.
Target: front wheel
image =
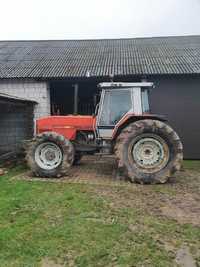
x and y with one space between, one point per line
49 155
149 151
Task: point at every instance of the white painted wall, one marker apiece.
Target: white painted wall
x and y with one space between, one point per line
31 90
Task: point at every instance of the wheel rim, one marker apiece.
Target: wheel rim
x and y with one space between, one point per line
150 154
48 156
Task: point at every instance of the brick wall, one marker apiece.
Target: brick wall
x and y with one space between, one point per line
32 90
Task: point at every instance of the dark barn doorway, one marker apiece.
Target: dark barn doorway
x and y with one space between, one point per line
73 97
16 124
65 94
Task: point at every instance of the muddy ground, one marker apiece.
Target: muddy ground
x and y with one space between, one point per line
179 199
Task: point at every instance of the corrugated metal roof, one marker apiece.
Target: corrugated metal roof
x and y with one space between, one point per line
75 58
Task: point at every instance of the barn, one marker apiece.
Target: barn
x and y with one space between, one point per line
61 77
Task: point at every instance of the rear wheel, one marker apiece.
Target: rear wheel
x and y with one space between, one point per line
50 155
149 151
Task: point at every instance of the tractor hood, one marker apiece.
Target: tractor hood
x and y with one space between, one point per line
66 125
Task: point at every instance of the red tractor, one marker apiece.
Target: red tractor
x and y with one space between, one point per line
147 149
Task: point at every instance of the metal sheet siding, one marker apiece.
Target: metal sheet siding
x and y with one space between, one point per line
179 99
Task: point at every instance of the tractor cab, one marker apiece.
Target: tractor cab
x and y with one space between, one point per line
118 102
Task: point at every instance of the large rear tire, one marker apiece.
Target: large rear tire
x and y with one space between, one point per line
148 151
49 155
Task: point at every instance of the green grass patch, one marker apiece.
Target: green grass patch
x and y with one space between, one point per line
191 165
66 223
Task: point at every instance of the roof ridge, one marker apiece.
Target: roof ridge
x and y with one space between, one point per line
105 39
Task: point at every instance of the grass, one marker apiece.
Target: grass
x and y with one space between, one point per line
72 225
192 165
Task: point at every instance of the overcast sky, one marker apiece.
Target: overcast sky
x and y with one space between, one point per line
88 19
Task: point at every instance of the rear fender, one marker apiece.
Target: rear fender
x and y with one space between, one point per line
129 118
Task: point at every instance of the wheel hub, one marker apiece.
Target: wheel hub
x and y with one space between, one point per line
48 155
149 153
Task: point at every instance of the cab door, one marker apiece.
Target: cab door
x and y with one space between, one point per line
114 104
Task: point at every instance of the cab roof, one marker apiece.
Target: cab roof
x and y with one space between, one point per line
110 85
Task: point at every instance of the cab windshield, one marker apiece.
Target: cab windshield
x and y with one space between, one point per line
116 103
